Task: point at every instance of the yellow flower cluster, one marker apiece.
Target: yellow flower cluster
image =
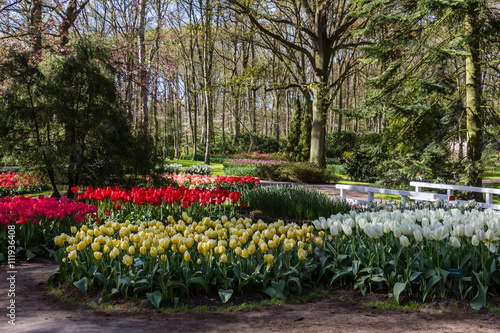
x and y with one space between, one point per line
207 238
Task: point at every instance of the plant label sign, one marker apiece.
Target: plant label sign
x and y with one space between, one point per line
456 272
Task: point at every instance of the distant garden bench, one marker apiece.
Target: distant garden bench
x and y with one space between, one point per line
451 188
419 195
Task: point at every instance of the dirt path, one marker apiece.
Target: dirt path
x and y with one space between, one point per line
38 311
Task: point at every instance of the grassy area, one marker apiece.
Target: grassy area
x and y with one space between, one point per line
216 166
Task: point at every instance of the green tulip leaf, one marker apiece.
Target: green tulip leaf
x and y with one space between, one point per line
480 300
433 280
278 285
154 298
398 289
274 293
225 295
81 284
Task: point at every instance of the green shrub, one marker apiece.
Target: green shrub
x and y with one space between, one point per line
301 172
293 202
360 167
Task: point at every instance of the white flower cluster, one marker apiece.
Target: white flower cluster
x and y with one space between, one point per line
418 225
197 169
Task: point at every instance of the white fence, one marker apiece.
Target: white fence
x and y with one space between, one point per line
451 188
419 195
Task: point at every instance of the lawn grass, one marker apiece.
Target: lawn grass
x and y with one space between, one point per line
185 163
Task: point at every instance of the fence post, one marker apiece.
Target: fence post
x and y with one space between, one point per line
371 196
342 194
489 198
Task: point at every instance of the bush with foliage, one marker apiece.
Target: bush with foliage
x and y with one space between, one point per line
298 172
335 148
359 166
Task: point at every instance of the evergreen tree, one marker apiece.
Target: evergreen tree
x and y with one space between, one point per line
424 49
304 146
294 134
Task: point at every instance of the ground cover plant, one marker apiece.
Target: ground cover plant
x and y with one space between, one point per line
296 202
12 184
431 250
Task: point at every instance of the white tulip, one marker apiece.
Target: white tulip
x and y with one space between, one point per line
347 229
317 224
475 240
418 235
491 247
334 231
397 232
455 242
468 230
404 241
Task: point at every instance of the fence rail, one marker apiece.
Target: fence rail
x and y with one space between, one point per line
419 195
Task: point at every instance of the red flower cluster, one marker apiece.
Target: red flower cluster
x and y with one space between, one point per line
11 179
237 180
156 197
20 209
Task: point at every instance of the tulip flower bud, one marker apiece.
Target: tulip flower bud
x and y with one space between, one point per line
404 241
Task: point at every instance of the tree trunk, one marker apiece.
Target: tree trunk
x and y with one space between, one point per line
143 75
473 101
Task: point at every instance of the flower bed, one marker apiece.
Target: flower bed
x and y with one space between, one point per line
12 184
224 182
38 220
151 203
184 257
419 251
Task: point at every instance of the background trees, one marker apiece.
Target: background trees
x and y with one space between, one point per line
202 77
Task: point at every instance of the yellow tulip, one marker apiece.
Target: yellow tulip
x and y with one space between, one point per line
81 246
153 252
238 251
127 260
268 258
131 249
72 255
163 257
95 246
143 250
98 255
301 254
73 230
223 258
187 256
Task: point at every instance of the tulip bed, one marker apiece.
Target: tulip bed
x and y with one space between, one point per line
38 220
212 182
419 252
12 184
164 261
157 204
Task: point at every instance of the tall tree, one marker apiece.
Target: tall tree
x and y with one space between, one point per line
324 28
